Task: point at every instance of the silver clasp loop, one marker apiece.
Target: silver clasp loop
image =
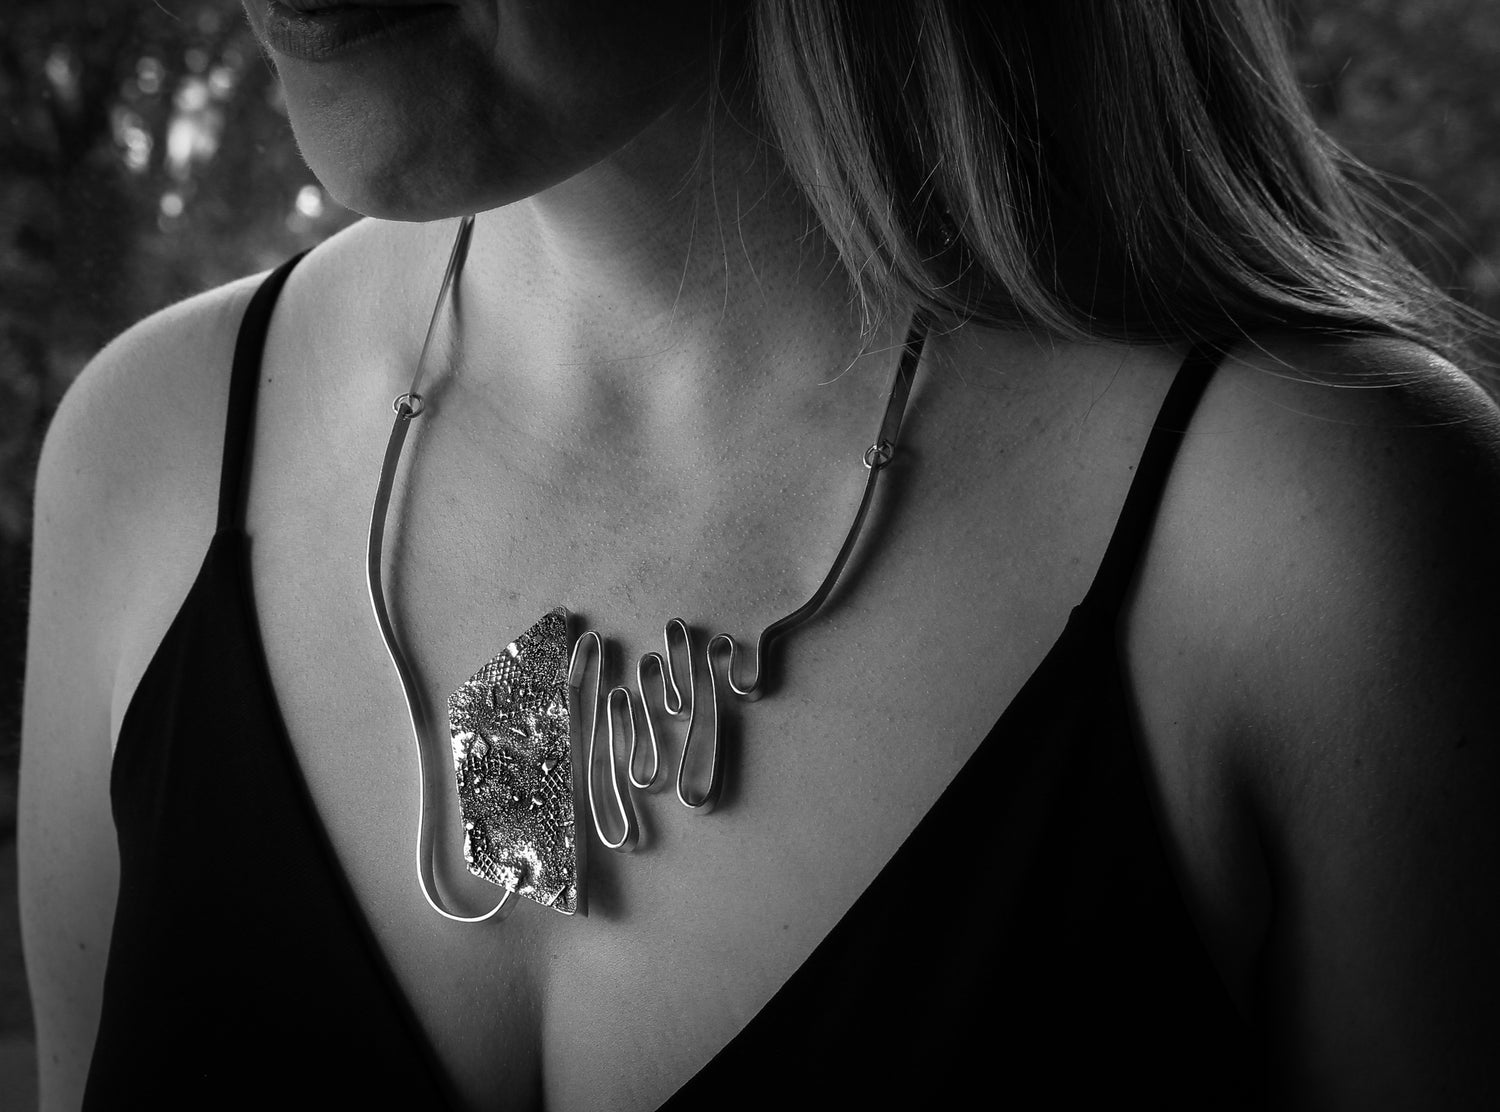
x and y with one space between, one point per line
414 404
879 454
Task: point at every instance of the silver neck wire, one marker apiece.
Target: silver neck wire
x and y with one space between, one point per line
410 405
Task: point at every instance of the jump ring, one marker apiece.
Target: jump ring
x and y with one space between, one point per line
879 454
414 404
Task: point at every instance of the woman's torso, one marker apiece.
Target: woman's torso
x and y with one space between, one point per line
1016 459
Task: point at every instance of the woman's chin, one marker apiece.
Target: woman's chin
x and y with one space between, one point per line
418 168
385 200
395 185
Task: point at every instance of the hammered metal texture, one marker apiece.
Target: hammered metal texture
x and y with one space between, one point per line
512 758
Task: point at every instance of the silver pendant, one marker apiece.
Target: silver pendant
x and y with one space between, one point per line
519 773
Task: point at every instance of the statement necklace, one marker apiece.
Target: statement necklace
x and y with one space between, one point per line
524 766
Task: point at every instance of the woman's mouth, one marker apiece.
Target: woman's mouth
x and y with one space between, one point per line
318 30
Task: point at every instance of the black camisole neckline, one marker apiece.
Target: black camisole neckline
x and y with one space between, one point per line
1054 961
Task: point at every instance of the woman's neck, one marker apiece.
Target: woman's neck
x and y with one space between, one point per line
672 268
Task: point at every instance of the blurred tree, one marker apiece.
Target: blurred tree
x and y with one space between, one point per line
1410 88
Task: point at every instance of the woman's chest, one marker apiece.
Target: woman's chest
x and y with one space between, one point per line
955 594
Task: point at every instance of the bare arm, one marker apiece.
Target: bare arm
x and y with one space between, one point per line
124 508
1340 549
68 862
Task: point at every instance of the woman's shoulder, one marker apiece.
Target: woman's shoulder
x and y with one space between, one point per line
128 481
1331 394
1328 467
1326 492
143 421
126 486
1315 619
160 374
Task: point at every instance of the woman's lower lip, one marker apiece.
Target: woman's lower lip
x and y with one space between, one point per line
321 35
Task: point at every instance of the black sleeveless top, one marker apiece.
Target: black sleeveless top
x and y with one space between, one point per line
1048 958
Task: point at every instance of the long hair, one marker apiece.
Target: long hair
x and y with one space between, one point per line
1139 170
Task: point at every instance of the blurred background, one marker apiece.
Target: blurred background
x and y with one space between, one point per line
145 155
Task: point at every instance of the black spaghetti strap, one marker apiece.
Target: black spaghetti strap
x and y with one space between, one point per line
244 374
1139 511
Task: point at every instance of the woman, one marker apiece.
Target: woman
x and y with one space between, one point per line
1203 778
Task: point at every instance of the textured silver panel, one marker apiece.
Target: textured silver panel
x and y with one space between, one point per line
512 758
